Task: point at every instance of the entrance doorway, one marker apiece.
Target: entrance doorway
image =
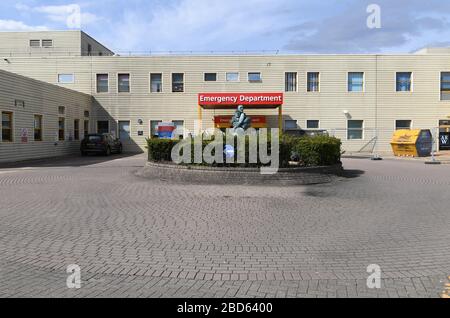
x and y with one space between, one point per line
444 135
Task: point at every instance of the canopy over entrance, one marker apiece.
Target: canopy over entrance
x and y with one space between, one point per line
248 100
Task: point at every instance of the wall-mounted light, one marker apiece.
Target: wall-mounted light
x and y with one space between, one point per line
140 121
347 114
7 61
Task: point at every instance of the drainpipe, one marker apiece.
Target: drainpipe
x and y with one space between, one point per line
375 155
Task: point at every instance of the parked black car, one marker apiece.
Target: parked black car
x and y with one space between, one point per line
100 143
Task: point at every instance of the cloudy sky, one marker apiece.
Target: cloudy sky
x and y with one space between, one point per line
305 26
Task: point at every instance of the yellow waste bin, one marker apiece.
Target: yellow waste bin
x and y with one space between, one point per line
412 143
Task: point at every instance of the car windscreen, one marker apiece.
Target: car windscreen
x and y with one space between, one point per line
95 138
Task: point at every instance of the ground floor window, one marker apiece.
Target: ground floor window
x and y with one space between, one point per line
402 124
290 124
355 129
179 128
7 127
37 128
86 128
154 128
102 127
76 129
61 129
312 124
124 130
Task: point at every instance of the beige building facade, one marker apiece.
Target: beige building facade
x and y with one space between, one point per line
361 99
40 120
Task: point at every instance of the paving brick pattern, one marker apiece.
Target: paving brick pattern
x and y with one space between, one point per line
134 237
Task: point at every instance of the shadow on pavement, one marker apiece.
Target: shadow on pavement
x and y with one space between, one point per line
66 161
352 173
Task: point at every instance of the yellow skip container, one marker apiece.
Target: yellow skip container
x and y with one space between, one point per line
412 143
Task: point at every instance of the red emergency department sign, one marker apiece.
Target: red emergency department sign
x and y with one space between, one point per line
233 99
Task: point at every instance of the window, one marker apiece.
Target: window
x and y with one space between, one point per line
404 81
210 77
156 83
313 82
123 83
61 129
233 77
7 127
47 43
254 77
66 78
445 86
37 128
179 128
89 50
76 129
86 127
35 43
102 83
154 128
177 82
403 124
290 124
356 82
124 130
61 110
355 129
86 114
312 124
103 127
291 82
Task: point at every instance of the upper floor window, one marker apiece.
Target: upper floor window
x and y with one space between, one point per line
66 78
35 43
355 81
47 43
313 84
210 77
232 77
102 83
123 83
177 82
254 77
156 83
291 82
445 86
404 81
89 49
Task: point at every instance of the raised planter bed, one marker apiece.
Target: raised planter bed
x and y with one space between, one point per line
230 175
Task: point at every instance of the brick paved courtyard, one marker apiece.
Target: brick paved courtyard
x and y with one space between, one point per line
134 237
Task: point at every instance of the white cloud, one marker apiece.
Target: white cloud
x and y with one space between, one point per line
12 25
199 24
71 14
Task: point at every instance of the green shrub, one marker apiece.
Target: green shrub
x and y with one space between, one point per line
318 150
160 149
312 151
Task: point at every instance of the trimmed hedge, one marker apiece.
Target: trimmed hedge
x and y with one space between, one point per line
309 151
160 149
318 150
